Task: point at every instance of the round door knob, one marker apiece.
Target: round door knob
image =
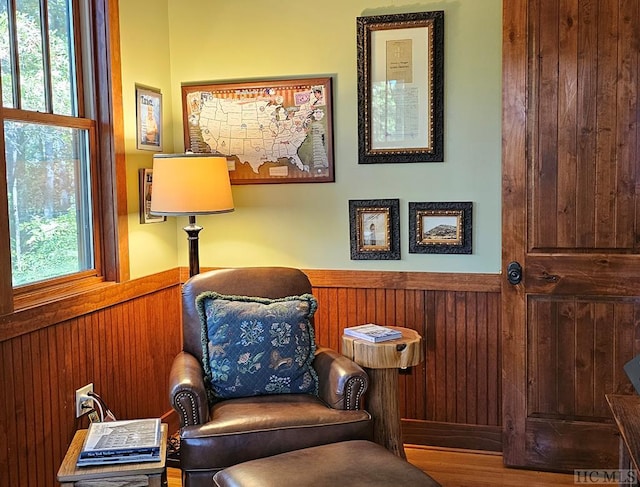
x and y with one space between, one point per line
514 273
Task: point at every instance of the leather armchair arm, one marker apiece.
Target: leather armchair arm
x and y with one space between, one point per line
187 394
342 382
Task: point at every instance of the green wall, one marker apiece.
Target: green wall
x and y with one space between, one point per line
144 36
307 225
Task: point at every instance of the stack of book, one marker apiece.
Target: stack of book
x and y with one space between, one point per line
127 441
373 333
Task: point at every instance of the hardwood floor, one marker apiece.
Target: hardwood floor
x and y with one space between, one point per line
460 468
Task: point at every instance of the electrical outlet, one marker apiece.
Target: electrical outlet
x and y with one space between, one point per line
83 399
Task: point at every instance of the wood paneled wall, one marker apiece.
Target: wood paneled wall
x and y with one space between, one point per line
124 340
125 348
453 398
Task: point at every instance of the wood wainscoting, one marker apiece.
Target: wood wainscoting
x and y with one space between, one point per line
453 398
123 338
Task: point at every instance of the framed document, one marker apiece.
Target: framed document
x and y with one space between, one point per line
401 88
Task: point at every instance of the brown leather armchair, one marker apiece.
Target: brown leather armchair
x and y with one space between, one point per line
231 431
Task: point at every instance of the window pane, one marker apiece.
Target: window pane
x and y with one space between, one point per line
49 201
6 71
30 56
62 54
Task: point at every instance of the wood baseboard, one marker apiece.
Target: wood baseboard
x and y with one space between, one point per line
452 435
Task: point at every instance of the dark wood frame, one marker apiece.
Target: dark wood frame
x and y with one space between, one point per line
285 93
433 151
390 210
461 244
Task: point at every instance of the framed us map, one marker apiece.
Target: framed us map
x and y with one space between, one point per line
275 131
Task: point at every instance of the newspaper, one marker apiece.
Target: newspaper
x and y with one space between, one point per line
122 442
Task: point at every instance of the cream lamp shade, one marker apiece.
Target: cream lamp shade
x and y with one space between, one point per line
190 184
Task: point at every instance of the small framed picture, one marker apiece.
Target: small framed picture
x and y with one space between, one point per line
375 229
146 183
149 118
440 228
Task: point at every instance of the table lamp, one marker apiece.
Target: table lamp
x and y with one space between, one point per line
190 185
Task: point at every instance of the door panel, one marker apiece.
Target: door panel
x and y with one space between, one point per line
570 218
565 445
576 348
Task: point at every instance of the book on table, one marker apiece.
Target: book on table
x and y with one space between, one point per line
125 441
373 333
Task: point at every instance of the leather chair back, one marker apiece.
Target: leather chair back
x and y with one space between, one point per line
266 282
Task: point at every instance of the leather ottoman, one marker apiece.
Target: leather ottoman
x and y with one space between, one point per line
356 463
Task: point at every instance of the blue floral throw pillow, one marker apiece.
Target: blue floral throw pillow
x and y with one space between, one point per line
255 346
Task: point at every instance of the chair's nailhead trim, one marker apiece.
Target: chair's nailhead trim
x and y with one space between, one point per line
355 388
183 411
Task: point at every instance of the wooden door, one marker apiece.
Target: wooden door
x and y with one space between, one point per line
571 219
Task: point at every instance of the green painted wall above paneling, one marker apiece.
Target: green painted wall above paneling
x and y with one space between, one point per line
144 46
307 225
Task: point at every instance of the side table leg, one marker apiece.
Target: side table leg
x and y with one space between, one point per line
625 463
382 403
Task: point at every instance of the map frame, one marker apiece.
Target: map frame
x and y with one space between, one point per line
272 131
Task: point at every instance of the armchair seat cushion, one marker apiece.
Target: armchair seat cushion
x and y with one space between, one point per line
255 427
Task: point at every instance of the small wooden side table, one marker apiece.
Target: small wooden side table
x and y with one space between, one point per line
381 361
104 475
626 412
